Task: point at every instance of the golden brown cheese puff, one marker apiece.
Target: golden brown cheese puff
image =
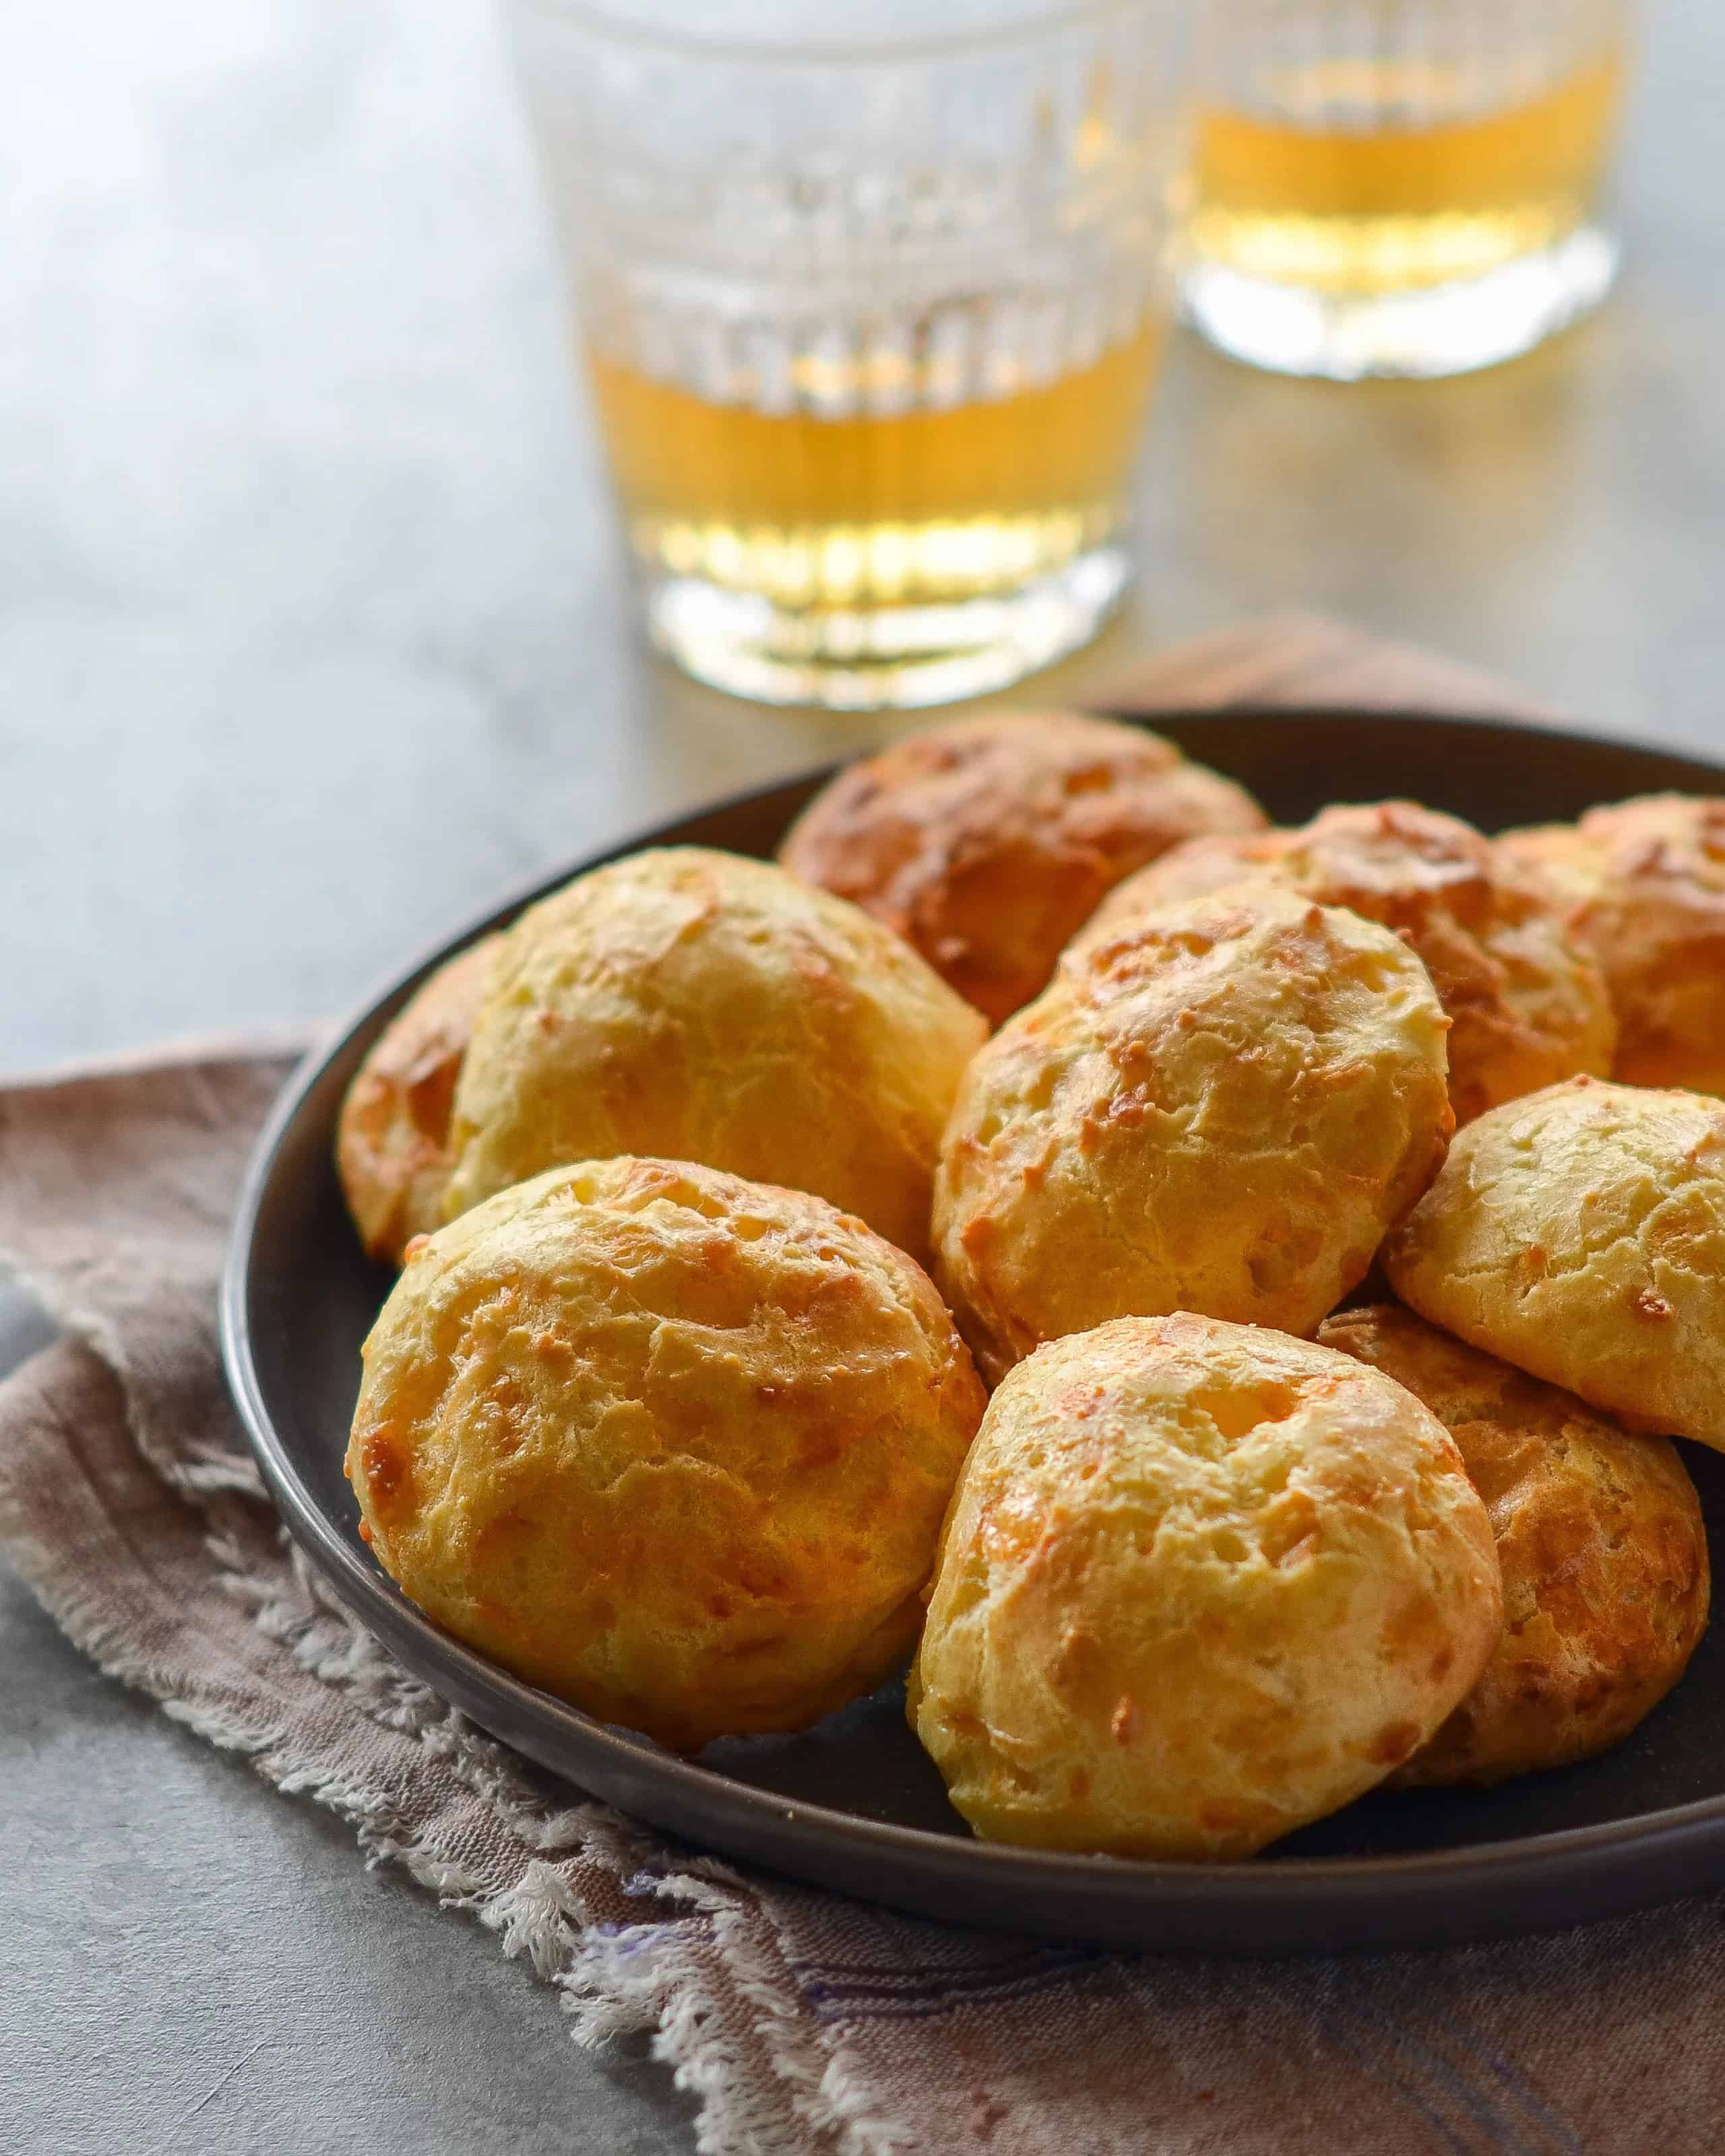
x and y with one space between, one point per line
1528 1003
1599 1537
1643 884
1199 1584
988 842
672 1445
393 1141
1580 1235
1222 1109
694 1004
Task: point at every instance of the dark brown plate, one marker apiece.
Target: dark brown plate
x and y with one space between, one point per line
853 1804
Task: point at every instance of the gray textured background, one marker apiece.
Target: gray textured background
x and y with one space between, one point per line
312 635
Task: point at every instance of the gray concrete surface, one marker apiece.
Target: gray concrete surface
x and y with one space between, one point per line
312 634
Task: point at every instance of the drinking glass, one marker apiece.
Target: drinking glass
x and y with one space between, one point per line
1400 187
870 299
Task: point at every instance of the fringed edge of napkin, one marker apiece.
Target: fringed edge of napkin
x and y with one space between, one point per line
775 2086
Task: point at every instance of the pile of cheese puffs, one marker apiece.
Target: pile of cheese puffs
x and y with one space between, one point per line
1215 1301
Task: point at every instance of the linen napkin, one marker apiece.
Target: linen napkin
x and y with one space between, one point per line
799 2020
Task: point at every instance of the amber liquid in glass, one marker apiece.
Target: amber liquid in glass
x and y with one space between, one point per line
1407 204
923 503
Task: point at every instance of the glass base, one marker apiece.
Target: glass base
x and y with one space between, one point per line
882 658
1435 330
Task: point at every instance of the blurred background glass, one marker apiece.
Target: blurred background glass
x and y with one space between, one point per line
870 318
1401 187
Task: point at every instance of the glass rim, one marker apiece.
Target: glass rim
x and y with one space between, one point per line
602 21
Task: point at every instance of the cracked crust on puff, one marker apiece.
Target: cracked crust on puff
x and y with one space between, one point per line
692 1003
1200 1584
673 1445
987 842
1580 1235
1528 1003
1222 1108
393 1148
1601 1543
1642 884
